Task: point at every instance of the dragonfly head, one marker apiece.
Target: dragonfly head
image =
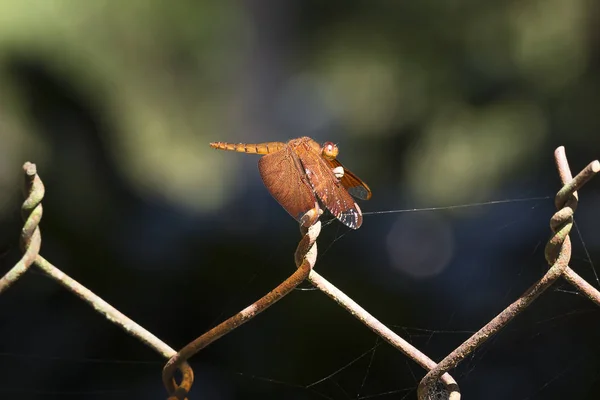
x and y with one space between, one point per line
330 150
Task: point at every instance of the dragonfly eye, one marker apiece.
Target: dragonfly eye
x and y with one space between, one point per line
330 150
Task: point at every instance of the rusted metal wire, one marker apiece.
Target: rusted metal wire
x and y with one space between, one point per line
305 258
558 255
453 392
31 241
566 178
437 383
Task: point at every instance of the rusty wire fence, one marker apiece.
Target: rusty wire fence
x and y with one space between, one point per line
437 382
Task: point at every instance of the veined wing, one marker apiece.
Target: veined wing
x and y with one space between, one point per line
356 187
284 178
328 189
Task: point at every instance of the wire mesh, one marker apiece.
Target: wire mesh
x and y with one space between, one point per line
436 381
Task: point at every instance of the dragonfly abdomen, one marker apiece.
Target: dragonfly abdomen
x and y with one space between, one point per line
251 148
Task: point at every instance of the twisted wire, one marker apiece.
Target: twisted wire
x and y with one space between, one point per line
31 239
30 245
437 381
305 258
558 255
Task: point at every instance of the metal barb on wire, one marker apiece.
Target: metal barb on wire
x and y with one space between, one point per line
31 243
305 258
558 255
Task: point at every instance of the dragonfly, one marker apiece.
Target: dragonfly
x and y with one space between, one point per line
304 176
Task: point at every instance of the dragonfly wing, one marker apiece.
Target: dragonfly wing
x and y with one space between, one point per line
329 190
284 178
355 186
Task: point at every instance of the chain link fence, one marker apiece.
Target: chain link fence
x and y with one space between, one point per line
436 384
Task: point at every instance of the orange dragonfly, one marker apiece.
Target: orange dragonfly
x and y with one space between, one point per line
299 172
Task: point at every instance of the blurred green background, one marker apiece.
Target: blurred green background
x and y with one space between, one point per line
432 103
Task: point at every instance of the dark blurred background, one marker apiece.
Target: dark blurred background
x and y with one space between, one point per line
432 103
